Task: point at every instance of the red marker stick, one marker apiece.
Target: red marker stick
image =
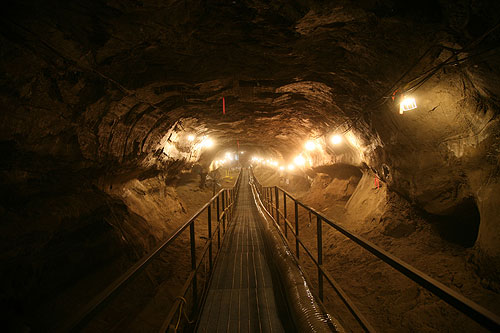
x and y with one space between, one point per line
223 106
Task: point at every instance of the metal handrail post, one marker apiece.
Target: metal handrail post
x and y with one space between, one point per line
230 196
319 237
223 213
218 223
209 220
267 198
297 245
228 205
284 214
271 200
276 198
193 262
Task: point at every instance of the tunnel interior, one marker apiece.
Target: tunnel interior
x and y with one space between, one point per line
120 119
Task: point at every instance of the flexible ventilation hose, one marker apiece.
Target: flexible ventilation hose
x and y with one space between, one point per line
307 313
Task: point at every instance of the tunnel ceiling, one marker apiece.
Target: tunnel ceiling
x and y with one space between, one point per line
97 98
108 80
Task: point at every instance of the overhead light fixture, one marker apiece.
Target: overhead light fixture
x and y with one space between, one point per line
291 167
207 142
191 138
310 145
282 168
407 104
336 139
299 160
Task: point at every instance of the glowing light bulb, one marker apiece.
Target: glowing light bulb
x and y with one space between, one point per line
191 138
299 160
310 145
291 167
336 139
407 104
207 142
282 168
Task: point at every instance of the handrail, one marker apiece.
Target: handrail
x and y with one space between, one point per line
471 309
226 196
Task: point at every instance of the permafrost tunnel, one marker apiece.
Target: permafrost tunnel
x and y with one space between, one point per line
120 119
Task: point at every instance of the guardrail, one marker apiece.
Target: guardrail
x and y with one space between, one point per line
271 198
223 202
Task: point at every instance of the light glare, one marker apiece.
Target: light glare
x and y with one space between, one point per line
291 167
190 138
310 145
299 160
207 142
336 139
407 104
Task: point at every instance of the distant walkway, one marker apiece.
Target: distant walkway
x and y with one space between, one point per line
241 297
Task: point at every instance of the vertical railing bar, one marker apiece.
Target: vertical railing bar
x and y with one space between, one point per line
296 228
268 199
319 236
209 220
276 199
223 214
272 201
218 223
193 261
284 214
228 211
230 204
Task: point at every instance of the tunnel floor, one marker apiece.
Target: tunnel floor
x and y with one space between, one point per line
241 296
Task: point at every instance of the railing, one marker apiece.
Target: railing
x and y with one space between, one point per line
223 202
271 198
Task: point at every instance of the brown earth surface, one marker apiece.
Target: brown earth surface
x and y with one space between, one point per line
390 301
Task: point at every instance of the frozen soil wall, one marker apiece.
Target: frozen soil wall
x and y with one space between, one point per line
391 302
113 224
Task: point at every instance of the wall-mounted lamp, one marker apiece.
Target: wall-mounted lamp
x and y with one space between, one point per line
407 104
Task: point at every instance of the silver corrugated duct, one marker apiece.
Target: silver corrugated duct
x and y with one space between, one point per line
308 314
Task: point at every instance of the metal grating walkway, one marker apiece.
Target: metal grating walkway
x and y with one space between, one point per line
241 297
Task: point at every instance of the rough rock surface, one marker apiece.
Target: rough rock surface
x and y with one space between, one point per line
101 94
390 302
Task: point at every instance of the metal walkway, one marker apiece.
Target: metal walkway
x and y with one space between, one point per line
241 296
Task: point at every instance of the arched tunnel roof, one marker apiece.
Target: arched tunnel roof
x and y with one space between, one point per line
110 107
121 77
